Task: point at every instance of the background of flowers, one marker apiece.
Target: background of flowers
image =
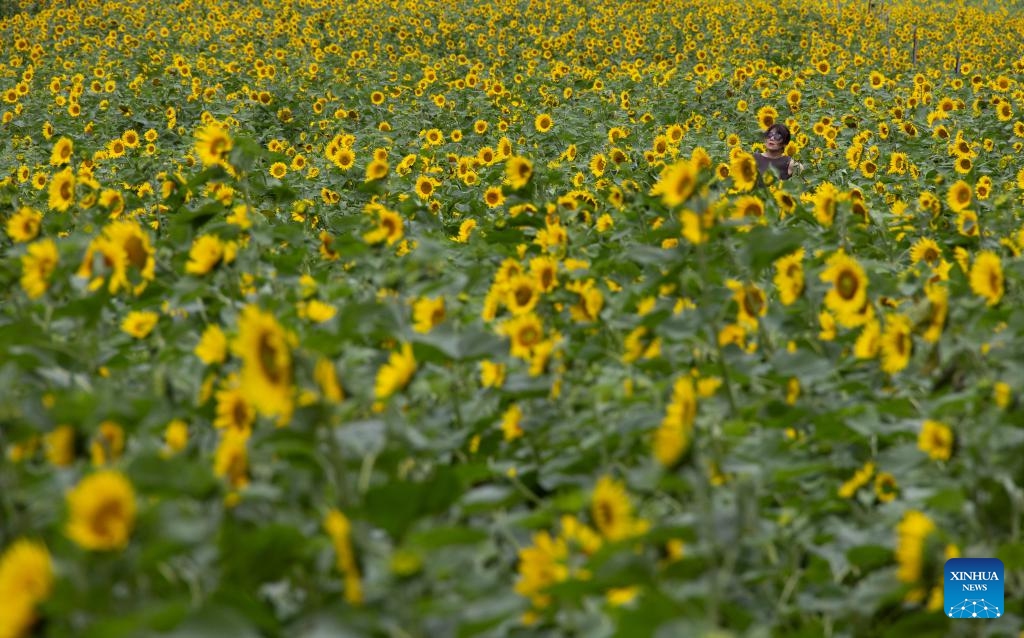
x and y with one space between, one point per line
460 320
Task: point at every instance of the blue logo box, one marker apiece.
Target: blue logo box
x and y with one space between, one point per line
973 588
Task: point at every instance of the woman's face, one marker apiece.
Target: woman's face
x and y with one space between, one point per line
773 140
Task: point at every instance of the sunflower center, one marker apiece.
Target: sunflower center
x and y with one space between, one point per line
217 147
528 336
901 344
239 413
523 295
605 515
753 302
847 285
136 252
268 358
747 171
683 185
106 518
65 190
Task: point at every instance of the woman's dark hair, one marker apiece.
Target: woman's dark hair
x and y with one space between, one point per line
779 128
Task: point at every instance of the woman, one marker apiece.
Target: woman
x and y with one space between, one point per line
774 158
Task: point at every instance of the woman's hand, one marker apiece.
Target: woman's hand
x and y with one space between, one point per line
795 167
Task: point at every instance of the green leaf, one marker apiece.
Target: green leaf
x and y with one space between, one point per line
764 244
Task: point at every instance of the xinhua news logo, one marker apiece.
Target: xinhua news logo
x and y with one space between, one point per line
973 588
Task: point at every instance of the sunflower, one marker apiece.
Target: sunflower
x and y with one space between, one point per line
897 344
62 152
518 171
465 231
541 565
612 511
793 99
504 148
427 314
826 199
660 146
672 437
886 488
750 302
60 447
676 183
511 420
521 294
206 253
486 155
936 440
859 479
139 323
640 344
130 138
213 346
396 373
868 341
26 572
984 187
958 197
26 579
126 249
493 197
987 277
938 310
62 190
326 247
278 170
113 201
743 170
376 169
898 164
338 528
233 410
544 271
265 350
213 144
766 117
789 277
231 460
912 534
101 511
390 227
115 148
748 207
425 187
543 123
926 250
588 308
37 265
928 202
23 226
524 331
344 158
848 294
108 445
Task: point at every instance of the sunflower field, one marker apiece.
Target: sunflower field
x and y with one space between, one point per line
449 319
